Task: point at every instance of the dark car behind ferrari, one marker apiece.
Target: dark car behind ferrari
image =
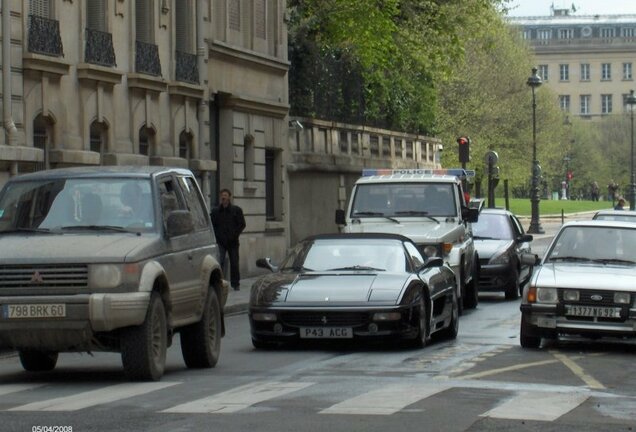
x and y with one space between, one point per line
354 286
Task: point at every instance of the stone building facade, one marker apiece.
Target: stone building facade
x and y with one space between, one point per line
201 84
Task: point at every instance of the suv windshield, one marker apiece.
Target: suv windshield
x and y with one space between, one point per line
83 203
404 200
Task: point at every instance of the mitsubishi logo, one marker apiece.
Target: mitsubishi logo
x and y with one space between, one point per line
324 320
37 278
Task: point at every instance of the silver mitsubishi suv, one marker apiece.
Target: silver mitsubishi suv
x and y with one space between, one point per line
109 259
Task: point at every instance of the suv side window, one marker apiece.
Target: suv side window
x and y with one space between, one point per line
170 200
194 202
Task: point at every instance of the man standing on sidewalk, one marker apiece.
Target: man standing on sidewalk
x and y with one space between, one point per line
228 222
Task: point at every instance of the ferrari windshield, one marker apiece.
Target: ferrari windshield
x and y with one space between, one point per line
77 203
404 200
348 254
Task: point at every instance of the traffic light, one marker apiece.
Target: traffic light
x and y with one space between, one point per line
464 149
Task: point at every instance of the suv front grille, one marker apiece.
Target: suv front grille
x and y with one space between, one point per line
27 279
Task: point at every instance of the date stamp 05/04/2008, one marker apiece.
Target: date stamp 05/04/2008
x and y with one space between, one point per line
51 428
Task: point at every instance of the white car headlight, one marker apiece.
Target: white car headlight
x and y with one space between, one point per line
571 295
547 295
622 297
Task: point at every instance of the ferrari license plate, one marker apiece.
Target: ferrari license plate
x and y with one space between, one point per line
593 311
326 332
18 311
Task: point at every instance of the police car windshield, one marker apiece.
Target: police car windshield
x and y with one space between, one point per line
415 200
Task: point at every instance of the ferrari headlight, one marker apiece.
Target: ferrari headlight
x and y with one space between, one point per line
501 258
113 276
387 316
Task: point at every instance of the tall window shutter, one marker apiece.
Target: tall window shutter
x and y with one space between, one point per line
234 15
182 28
40 8
260 19
96 14
143 20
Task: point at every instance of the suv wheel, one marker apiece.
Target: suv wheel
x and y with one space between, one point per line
201 342
38 361
143 348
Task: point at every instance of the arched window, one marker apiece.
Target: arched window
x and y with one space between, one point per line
146 141
43 138
185 145
98 137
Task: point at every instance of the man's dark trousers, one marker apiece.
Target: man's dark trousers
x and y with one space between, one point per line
233 252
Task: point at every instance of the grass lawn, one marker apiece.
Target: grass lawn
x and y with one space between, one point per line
521 206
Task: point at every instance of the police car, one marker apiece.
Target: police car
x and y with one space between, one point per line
427 206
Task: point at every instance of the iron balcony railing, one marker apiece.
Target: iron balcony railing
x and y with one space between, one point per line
147 58
186 68
99 48
44 36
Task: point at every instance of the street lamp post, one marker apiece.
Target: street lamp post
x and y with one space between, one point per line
631 101
535 225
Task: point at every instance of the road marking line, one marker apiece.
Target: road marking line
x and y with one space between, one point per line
385 401
506 369
578 371
239 398
539 406
6 389
94 397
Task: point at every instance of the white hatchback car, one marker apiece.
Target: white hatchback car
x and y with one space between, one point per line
585 284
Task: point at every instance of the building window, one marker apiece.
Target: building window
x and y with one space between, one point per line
627 71
374 144
544 34
43 139
146 141
585 71
606 103
526 34
143 20
184 26
98 137
625 105
409 149
260 19
234 15
564 72
273 184
386 146
585 104
96 15
566 33
606 71
249 153
543 72
564 103
185 144
608 32
628 32
355 145
41 8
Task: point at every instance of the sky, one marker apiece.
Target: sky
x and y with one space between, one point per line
583 7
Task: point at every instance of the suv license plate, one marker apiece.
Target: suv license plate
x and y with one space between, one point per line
326 332
593 311
17 311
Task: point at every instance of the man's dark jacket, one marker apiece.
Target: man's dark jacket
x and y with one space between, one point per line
228 223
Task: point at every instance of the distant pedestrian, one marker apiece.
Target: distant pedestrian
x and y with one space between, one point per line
620 205
228 222
612 189
595 191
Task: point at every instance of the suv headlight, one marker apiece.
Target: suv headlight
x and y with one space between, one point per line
113 276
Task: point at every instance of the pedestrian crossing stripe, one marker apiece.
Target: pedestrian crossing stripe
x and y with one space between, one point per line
6 389
94 397
539 406
239 398
385 401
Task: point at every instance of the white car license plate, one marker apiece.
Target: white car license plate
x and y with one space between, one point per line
17 311
326 332
593 311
